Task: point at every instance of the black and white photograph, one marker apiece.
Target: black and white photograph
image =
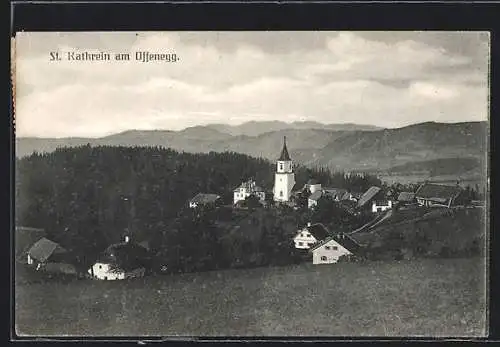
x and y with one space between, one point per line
251 184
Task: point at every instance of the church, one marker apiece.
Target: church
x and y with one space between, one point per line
284 180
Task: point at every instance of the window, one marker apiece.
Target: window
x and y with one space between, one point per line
323 258
100 266
310 244
281 166
281 193
301 243
308 235
105 277
335 248
327 248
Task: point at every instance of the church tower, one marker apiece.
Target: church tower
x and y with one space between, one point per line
284 178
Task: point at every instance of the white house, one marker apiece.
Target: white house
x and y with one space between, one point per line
246 189
284 178
331 249
381 205
106 268
310 235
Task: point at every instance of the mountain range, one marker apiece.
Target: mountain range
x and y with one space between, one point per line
424 149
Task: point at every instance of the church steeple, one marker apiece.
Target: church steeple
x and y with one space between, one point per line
284 152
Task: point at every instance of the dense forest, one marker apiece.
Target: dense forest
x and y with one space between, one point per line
87 197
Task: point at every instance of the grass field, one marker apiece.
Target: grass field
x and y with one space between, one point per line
432 297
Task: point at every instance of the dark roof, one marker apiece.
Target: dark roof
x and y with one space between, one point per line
406 196
437 191
344 240
368 195
284 152
319 231
336 193
44 248
202 198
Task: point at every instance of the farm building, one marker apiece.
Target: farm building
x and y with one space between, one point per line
246 189
310 235
47 255
121 261
202 199
332 248
371 194
431 194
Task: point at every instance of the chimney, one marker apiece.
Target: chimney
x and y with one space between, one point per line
127 239
308 224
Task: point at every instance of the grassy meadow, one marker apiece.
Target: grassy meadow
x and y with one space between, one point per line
431 297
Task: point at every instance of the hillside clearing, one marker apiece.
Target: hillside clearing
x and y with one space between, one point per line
433 297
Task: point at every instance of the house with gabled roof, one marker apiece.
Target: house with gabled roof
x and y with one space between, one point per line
121 261
310 235
49 256
432 194
25 238
332 248
202 199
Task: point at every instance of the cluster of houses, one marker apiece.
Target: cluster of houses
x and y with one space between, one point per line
34 249
42 253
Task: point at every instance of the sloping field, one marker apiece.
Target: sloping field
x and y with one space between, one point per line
413 298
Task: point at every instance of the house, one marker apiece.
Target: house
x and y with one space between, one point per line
202 199
25 237
121 261
332 248
47 255
246 189
368 196
431 194
381 205
310 235
312 185
312 200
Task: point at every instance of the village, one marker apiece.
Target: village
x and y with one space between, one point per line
317 242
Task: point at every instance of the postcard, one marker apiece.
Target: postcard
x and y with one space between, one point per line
251 184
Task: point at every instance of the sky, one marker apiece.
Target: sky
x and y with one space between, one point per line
387 79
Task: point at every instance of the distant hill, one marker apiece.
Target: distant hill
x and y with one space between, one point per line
383 149
437 148
255 128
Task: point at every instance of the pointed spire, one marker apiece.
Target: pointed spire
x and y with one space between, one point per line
284 152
